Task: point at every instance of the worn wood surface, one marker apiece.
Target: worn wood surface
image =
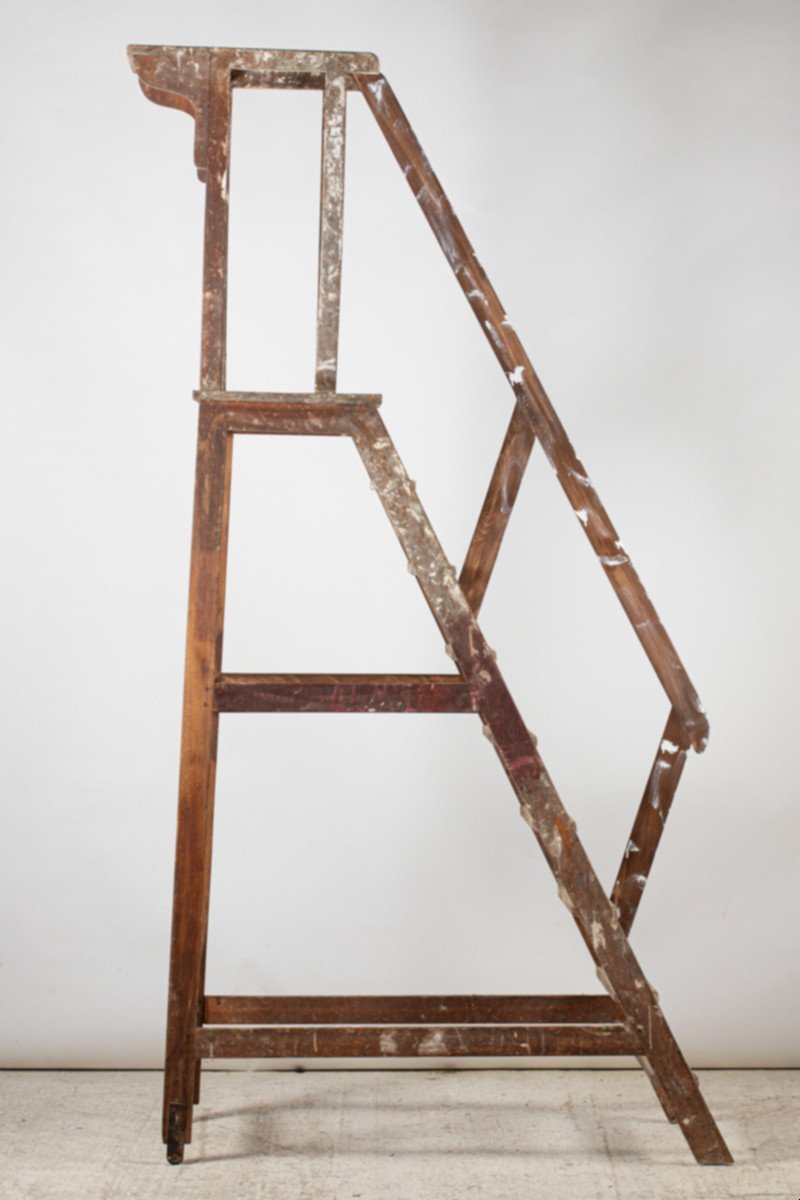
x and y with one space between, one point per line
410 1010
343 693
297 400
497 507
648 827
629 1020
215 250
331 218
178 77
409 1041
197 773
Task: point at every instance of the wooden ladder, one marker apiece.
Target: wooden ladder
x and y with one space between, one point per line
628 1019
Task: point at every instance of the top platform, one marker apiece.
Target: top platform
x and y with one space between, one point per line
183 77
251 68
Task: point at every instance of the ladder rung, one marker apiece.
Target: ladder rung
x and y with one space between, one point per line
295 80
411 1041
281 399
343 693
410 1010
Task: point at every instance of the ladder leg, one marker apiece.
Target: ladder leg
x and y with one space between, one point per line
540 805
197 773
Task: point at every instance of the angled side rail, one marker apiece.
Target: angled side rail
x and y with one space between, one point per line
536 407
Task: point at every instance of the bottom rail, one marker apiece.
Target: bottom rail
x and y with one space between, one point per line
413 1041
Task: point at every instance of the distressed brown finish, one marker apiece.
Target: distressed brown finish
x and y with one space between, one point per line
407 1041
331 217
496 511
343 693
198 766
215 250
411 1010
641 849
294 400
178 77
290 80
627 1021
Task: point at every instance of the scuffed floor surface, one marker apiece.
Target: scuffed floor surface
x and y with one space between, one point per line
404 1135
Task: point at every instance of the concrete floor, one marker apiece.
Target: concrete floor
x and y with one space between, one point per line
393 1135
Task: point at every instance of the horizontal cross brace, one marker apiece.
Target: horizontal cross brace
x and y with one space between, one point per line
279 399
321 414
343 693
409 1041
293 80
410 1010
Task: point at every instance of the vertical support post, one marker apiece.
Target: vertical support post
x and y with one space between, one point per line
203 655
331 213
215 249
197 774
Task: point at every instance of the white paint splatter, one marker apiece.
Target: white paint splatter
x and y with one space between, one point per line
515 376
668 747
584 479
493 334
433 1043
377 89
659 767
597 936
583 516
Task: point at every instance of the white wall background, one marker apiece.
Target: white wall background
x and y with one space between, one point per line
628 175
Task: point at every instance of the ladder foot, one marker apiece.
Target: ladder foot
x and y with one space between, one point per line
720 1157
175 1153
176 1133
